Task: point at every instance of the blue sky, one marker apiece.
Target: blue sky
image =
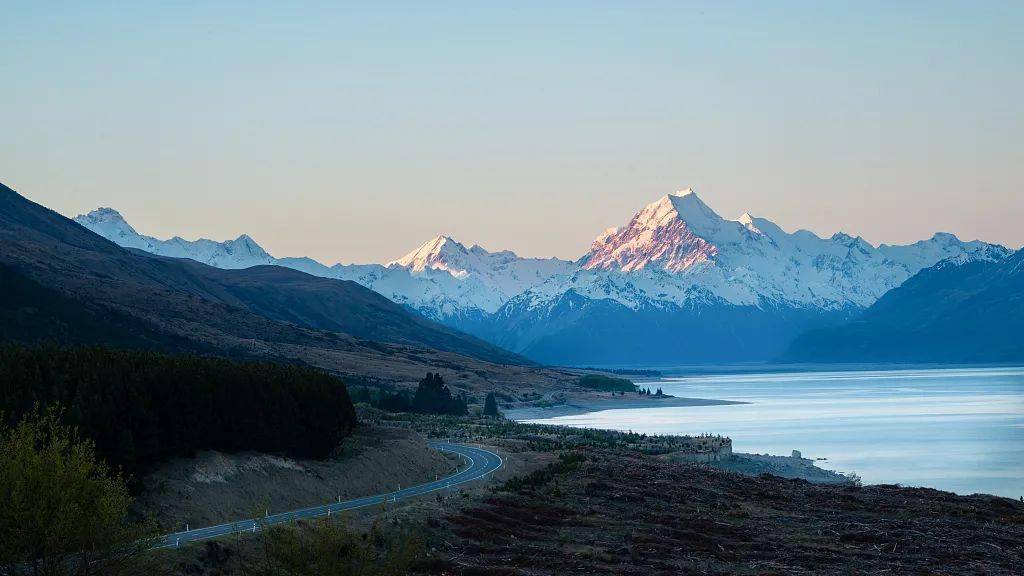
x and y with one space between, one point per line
355 132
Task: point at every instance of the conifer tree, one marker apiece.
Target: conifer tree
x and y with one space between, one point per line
490 405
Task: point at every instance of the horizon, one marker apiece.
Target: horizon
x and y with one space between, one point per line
312 128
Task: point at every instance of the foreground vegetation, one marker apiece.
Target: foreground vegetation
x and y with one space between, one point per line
62 510
143 408
603 511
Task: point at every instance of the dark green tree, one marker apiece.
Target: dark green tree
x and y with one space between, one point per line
490 405
433 397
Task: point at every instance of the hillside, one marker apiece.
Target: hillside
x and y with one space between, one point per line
268 312
98 268
956 311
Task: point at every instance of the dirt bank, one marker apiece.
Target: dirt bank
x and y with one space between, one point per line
214 487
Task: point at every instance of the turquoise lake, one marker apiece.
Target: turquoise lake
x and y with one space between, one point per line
960 430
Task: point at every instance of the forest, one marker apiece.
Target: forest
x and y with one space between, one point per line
142 408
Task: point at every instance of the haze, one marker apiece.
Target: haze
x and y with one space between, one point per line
353 134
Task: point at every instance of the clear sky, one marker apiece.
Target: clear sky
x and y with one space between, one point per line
354 133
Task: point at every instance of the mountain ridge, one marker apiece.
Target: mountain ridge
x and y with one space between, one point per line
676 255
225 308
959 310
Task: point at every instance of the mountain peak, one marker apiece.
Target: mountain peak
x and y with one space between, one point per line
683 205
109 223
247 247
673 233
103 214
434 253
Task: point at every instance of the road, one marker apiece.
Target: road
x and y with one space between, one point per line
481 463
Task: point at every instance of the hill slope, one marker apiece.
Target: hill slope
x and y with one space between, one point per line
58 253
68 285
956 311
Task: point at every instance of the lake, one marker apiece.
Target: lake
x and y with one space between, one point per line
960 430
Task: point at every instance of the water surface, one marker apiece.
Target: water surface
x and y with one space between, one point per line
960 430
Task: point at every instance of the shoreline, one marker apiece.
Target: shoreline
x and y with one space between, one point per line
748 464
577 406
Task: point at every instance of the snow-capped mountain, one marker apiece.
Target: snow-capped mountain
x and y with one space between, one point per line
442 279
448 282
677 283
242 252
677 248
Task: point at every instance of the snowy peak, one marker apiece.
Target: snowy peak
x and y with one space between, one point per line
684 205
439 253
242 252
109 223
104 215
673 233
245 246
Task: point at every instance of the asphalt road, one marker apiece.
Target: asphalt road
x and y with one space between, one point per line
481 463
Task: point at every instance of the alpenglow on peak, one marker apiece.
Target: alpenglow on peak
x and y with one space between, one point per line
437 252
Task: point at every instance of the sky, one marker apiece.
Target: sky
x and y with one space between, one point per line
355 132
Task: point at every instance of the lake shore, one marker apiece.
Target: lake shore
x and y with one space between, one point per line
584 405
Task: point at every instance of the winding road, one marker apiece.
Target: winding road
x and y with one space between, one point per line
481 463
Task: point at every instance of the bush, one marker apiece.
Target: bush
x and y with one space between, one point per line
62 510
333 550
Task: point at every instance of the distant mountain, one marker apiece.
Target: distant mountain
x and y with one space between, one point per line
442 279
960 310
233 310
678 283
241 252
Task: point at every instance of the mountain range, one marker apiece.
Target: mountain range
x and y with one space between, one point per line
61 282
676 284
958 311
